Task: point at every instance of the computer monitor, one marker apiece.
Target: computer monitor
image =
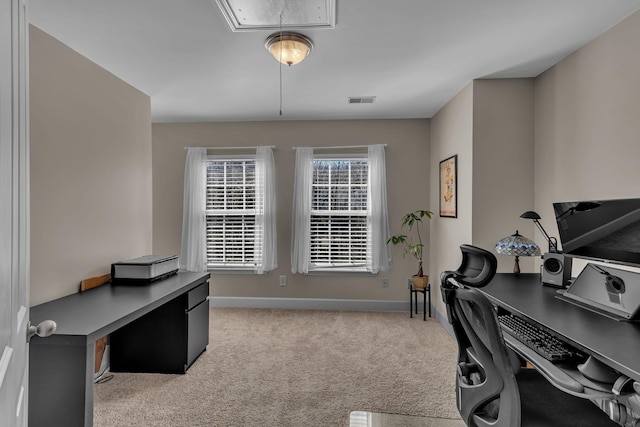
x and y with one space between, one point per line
604 230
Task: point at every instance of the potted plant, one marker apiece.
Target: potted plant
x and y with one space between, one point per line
413 243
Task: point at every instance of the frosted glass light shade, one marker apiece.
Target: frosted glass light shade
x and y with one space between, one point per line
289 48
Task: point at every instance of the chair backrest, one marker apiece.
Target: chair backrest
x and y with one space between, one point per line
487 391
477 268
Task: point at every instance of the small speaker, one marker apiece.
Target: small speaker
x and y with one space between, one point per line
556 269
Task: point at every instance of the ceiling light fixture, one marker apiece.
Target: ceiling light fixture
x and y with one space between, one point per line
288 48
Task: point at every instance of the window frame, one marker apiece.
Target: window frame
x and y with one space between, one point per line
246 267
354 269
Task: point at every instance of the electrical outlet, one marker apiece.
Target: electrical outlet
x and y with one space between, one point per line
385 283
283 280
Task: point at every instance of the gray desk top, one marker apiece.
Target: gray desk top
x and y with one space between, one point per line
87 316
616 343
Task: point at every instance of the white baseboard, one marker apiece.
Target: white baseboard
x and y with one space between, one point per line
311 304
325 304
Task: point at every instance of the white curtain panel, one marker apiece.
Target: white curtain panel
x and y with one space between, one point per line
192 253
379 218
301 213
266 210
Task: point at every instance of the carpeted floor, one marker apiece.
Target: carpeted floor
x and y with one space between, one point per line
291 368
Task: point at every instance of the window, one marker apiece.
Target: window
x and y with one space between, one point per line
229 212
231 233
339 216
338 220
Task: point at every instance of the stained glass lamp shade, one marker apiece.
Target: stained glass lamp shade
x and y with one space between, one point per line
517 245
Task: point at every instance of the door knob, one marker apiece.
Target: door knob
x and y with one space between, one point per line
44 329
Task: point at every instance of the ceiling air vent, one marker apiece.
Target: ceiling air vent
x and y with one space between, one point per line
258 15
362 100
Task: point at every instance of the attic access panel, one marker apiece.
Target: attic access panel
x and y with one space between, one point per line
252 15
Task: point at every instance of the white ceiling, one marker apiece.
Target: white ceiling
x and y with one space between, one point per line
412 55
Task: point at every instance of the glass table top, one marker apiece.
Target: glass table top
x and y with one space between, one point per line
372 419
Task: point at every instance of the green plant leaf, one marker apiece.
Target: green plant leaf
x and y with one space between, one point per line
410 220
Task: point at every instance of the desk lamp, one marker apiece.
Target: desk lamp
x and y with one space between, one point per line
517 245
553 243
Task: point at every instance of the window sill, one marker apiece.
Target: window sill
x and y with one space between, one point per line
339 273
232 271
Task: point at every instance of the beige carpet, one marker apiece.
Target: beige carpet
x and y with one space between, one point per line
293 368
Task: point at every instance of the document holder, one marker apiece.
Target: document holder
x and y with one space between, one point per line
609 291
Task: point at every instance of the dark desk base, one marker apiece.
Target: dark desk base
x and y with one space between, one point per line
413 298
169 329
612 343
61 382
166 340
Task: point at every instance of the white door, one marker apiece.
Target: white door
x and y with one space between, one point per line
14 213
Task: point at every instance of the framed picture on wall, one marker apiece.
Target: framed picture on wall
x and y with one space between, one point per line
449 187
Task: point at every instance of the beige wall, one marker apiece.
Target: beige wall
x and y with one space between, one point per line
587 126
451 133
407 180
503 164
90 169
489 124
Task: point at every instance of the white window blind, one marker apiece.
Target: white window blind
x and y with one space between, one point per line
339 225
232 238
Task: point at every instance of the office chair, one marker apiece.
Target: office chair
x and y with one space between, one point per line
491 389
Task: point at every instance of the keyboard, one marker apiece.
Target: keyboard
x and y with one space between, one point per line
537 339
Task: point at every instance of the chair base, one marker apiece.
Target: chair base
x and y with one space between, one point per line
543 405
